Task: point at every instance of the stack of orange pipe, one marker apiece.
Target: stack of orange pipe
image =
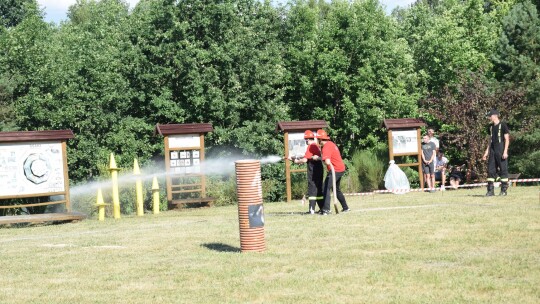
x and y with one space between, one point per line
249 192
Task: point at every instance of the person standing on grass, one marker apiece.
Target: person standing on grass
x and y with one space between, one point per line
433 139
314 171
332 158
428 162
497 153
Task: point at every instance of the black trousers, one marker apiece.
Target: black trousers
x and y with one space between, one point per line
315 184
497 166
328 184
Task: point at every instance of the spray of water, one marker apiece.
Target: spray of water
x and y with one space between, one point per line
218 166
272 159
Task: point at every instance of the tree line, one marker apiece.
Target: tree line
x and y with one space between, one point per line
111 73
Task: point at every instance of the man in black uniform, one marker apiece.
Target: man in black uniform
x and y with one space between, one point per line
314 171
497 153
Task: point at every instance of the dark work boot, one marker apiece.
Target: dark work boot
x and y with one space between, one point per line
504 187
490 191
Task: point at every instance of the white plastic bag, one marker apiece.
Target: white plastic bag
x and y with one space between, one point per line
395 179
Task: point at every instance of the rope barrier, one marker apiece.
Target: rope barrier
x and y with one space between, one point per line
522 180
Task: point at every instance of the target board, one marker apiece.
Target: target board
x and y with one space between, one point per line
31 168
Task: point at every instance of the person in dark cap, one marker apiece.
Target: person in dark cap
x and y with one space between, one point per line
497 153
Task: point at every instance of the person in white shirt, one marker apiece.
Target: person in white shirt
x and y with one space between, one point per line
431 134
441 163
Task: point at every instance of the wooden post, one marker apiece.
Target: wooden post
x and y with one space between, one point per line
287 169
66 177
167 169
420 171
390 146
201 159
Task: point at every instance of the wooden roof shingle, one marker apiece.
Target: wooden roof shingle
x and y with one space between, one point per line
403 123
302 125
192 128
20 136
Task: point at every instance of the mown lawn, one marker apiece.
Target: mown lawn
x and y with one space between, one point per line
451 247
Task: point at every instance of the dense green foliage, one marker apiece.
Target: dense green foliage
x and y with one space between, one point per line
347 66
518 64
110 74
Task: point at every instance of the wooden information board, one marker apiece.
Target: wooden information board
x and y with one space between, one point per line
295 144
404 139
184 156
34 164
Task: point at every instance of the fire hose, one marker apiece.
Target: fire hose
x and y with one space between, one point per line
334 196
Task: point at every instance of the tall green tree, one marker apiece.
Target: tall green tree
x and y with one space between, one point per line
518 62
13 12
461 110
81 83
21 53
218 62
448 38
348 67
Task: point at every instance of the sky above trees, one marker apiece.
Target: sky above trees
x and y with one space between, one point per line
55 10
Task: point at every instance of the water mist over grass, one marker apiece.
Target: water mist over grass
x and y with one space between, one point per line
84 195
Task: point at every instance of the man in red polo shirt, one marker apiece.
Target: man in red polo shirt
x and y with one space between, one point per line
332 158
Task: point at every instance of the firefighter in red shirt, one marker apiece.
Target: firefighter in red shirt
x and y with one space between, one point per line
314 171
332 156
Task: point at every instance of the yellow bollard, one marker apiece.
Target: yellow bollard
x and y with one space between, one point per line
155 195
138 188
101 205
115 196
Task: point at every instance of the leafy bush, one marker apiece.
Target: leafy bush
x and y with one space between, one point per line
412 176
223 189
273 182
350 182
527 165
299 186
370 170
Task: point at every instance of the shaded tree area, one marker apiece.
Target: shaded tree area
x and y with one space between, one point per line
517 62
110 73
463 115
13 12
472 56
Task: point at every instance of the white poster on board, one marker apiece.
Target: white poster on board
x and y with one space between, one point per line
31 168
405 141
297 145
184 141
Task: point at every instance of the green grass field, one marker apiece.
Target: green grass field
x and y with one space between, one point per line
451 247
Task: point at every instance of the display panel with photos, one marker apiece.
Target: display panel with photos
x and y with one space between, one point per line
405 142
297 145
185 161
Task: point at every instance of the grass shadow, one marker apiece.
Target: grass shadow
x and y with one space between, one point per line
221 247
